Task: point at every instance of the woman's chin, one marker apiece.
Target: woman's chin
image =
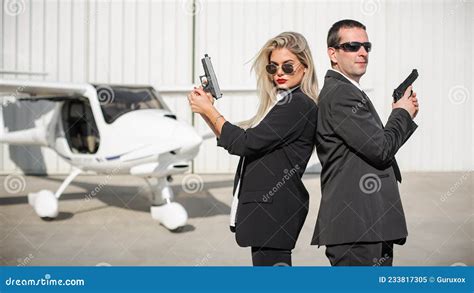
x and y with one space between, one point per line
282 86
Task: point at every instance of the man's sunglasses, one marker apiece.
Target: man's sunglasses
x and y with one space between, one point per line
287 68
354 46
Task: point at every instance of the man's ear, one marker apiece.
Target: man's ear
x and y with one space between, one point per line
332 55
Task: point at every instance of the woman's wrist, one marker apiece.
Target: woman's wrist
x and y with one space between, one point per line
217 119
212 113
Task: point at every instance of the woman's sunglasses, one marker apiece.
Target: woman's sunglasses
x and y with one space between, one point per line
354 46
287 68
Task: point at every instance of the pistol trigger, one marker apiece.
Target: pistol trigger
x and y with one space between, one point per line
204 81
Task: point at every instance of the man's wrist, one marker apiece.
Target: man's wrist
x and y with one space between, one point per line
406 111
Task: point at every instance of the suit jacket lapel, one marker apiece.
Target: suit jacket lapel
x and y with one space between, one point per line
372 109
338 76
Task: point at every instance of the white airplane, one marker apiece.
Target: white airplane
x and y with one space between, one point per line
108 129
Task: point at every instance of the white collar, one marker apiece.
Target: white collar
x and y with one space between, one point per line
351 80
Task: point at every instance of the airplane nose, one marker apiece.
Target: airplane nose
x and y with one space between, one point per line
191 139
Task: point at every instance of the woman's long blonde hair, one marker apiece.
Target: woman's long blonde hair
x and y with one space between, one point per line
266 89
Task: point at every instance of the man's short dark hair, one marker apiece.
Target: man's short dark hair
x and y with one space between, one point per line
333 34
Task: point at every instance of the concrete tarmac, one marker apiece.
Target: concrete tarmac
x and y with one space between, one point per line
115 227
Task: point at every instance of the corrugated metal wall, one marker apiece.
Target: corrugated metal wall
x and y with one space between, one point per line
151 42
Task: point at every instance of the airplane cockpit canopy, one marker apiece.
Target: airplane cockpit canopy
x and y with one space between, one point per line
116 101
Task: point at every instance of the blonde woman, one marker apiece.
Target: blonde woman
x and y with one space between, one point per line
270 202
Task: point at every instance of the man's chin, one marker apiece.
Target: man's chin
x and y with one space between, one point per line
361 71
363 68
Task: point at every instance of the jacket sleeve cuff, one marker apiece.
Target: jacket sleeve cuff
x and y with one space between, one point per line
225 139
410 126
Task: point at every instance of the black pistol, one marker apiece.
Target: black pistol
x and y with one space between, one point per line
400 90
209 79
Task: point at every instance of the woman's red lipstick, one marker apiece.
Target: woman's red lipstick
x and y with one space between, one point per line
281 81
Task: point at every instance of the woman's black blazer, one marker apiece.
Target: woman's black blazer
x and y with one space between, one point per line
273 202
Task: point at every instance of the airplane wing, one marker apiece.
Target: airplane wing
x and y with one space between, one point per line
11 90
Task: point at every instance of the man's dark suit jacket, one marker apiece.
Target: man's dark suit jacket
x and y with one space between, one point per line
273 201
360 198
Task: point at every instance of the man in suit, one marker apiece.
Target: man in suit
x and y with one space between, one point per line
361 215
